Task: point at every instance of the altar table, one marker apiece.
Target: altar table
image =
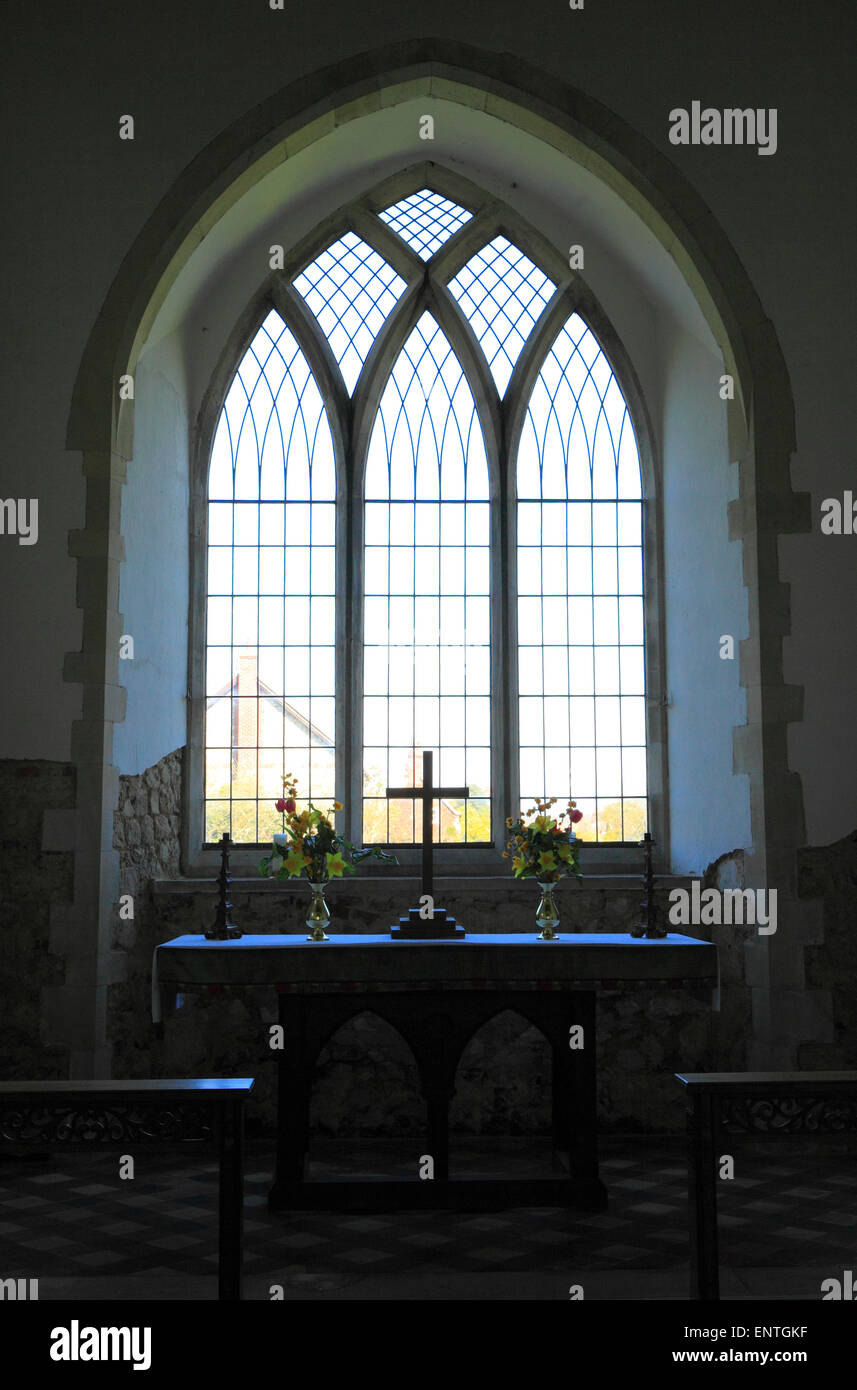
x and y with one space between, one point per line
436 994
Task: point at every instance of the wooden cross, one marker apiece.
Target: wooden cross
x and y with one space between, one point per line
427 793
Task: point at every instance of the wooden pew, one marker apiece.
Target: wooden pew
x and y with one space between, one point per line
725 1105
39 1116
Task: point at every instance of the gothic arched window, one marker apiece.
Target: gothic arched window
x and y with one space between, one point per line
426 623
581 653
425 530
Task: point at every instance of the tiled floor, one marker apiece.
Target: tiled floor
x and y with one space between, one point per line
73 1216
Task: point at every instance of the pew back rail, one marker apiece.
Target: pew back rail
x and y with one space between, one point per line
203 1114
751 1105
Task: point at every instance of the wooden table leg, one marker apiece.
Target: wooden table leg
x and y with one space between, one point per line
435 1037
231 1201
294 1088
560 1130
437 1113
577 1114
702 1198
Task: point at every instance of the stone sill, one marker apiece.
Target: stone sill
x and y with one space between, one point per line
455 883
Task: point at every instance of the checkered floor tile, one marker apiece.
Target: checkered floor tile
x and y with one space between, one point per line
73 1215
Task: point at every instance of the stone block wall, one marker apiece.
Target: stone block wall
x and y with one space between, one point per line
33 880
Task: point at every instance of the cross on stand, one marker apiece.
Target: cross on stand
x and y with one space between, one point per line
414 925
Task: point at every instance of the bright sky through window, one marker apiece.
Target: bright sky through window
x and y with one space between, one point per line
581 667
426 675
503 294
425 221
271 537
429 578
351 290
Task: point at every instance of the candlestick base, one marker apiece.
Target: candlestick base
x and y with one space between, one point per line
227 933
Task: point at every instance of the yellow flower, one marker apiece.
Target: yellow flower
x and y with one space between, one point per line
509 822
335 865
564 852
296 862
542 823
546 859
337 805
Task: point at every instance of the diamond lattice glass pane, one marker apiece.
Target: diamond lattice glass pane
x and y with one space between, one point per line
351 290
426 632
425 221
270 659
580 579
502 294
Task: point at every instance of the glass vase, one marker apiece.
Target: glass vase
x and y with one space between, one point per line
547 916
318 915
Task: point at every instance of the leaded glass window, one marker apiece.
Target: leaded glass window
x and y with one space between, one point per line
426 631
425 221
360 593
351 290
270 669
503 294
581 667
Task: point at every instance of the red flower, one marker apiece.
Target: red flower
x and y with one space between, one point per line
281 804
289 805
576 816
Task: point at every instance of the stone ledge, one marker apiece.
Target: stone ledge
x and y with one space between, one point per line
601 883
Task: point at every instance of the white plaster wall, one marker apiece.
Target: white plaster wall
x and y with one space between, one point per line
153 593
791 220
705 599
39 617
636 281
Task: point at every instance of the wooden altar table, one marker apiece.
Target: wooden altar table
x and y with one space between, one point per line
436 994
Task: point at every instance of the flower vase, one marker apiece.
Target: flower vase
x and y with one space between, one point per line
319 913
547 916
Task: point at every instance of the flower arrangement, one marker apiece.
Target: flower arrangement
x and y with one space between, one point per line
309 845
544 847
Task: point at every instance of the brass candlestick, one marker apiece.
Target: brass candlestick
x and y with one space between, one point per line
223 928
650 923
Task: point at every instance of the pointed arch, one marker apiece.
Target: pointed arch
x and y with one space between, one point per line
270 565
340 1070
579 581
761 418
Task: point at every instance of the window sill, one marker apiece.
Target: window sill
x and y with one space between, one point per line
482 862
376 884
